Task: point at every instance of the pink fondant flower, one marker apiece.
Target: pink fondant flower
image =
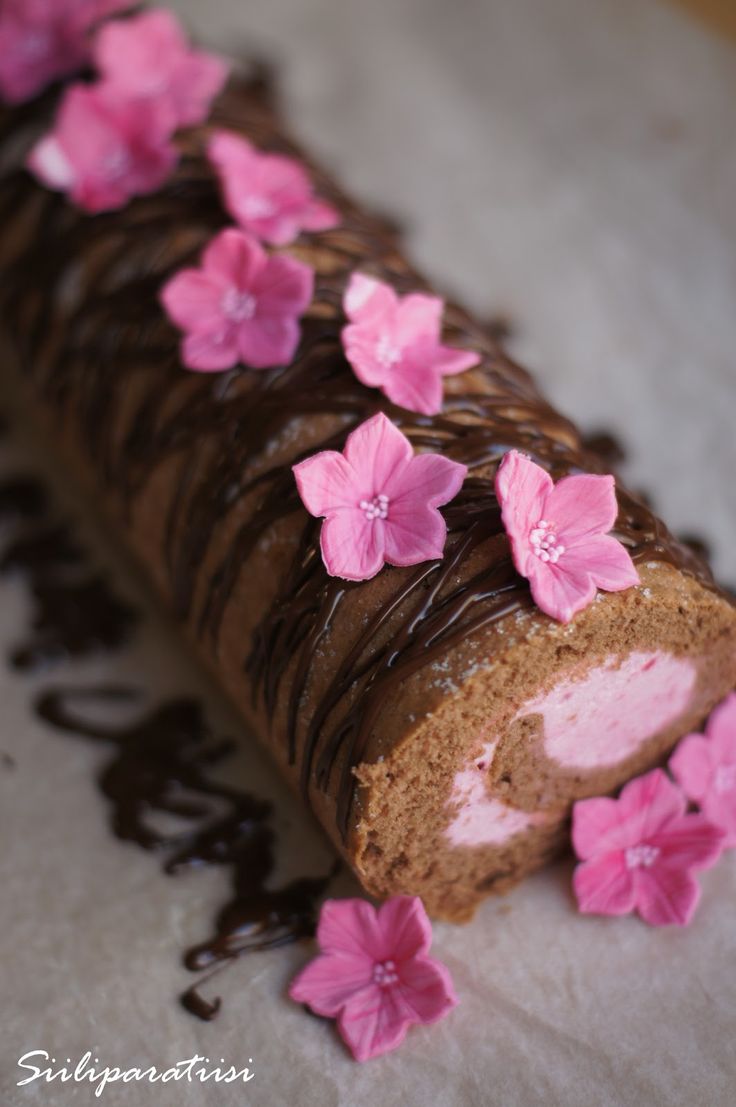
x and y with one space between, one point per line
43 40
150 58
705 768
558 535
103 150
393 343
269 195
241 306
639 852
373 974
379 500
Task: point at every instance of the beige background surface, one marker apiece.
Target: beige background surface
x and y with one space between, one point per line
571 163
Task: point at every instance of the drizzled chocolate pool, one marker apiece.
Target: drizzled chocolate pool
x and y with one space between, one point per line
436 722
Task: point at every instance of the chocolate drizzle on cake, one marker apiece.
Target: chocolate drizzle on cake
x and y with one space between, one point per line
80 300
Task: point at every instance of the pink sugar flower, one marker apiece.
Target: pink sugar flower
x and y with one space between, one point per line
43 40
393 343
103 150
558 535
241 306
373 974
269 195
379 500
149 57
705 768
639 852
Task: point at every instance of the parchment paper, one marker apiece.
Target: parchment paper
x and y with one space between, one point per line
572 164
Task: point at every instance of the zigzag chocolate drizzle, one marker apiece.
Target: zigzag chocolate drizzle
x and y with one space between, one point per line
79 299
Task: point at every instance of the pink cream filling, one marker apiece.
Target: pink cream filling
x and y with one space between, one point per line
589 723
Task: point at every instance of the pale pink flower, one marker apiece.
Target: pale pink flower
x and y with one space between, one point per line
43 40
240 306
379 500
149 57
269 195
373 974
558 535
103 150
394 343
639 852
705 768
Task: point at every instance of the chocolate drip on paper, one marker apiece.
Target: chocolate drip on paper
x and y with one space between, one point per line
80 300
161 765
75 611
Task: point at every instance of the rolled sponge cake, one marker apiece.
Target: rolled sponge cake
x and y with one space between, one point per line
437 723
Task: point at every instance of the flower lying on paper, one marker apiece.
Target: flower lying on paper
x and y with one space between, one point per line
374 974
149 58
269 195
43 40
379 500
558 535
393 343
705 768
240 306
104 149
639 852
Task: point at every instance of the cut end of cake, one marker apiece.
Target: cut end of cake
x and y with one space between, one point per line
480 792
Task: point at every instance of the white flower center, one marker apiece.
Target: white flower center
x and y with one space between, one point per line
544 542
385 974
641 857
238 306
386 353
115 164
725 779
377 508
255 206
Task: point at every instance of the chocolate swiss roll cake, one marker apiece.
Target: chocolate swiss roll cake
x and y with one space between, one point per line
435 720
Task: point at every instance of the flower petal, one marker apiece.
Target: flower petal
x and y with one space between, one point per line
426 990
597 827
418 316
450 361
373 1022
522 488
604 886
325 482
320 216
405 928
606 560
691 766
209 353
235 257
193 301
368 298
413 383
582 505
328 982
721 728
269 341
284 286
427 480
558 592
689 842
351 927
352 545
666 896
377 450
648 803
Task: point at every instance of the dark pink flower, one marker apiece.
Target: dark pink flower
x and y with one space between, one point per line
103 150
639 852
705 768
393 343
241 306
379 500
373 974
269 195
558 535
43 40
150 58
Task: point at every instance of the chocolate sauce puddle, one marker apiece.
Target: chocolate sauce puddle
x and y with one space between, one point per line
159 765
